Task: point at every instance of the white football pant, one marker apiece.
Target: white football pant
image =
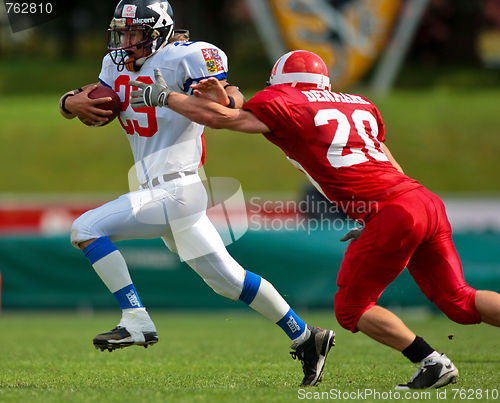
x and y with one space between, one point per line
176 212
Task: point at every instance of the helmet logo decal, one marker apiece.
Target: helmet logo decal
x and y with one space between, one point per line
143 20
129 11
162 10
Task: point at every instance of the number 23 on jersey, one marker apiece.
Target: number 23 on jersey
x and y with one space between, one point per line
132 126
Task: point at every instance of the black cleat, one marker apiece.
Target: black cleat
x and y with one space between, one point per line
312 354
433 372
120 337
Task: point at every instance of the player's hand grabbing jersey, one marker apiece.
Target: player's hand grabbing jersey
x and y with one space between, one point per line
335 140
163 141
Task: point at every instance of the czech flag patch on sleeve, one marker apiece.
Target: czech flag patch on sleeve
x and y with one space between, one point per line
213 60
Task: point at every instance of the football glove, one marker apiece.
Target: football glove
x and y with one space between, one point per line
150 95
352 234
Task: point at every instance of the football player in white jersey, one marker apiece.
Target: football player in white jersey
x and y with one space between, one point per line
171 202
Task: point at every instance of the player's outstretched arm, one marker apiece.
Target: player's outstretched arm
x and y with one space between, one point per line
198 109
77 103
213 114
235 94
219 91
212 89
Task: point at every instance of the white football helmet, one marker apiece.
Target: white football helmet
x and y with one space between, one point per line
300 67
154 18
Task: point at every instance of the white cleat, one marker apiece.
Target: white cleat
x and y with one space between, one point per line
433 372
135 328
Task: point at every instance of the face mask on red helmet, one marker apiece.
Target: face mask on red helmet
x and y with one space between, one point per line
300 67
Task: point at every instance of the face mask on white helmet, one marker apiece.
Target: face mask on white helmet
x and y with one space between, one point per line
153 19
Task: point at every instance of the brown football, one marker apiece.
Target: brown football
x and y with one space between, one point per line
114 105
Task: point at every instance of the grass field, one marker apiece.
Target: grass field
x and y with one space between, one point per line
444 138
223 357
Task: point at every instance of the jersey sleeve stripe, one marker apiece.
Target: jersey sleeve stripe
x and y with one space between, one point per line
189 81
104 83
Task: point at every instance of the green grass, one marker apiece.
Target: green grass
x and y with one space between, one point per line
446 139
208 357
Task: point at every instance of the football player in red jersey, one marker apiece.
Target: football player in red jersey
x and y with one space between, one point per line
337 140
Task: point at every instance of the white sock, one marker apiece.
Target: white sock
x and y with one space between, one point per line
261 296
269 303
137 320
301 339
113 271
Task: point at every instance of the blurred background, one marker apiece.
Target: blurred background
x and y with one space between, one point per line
431 66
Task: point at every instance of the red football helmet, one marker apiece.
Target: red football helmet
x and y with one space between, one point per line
300 67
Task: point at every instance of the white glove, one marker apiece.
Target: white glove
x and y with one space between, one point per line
353 234
150 95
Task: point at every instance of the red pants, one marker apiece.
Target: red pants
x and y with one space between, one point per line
411 231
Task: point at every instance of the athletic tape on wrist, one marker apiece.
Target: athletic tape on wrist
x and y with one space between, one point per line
63 103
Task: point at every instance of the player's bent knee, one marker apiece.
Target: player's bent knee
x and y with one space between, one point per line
348 314
75 236
348 318
461 308
80 232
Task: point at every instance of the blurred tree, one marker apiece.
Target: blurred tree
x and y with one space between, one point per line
448 32
208 21
78 19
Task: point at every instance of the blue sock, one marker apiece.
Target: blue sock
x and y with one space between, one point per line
98 249
127 297
97 253
292 324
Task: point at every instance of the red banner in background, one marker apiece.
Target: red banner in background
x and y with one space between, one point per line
40 217
51 218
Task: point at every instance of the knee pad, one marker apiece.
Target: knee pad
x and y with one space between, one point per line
461 307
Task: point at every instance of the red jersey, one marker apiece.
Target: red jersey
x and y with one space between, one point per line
335 140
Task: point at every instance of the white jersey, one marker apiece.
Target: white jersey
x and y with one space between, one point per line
162 140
